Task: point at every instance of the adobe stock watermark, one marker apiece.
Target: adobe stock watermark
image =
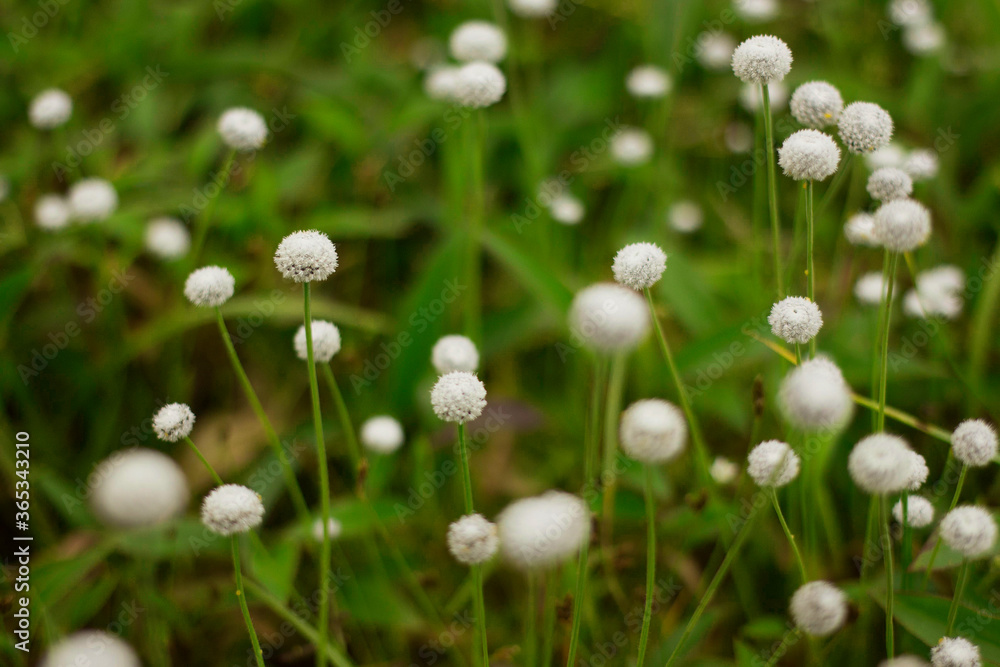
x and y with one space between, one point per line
30 25
365 34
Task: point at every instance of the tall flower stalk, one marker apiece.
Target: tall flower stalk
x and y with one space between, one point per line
258 655
772 189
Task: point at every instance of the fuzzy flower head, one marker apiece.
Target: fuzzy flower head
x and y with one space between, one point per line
173 422
924 40
639 265
906 660
860 230
814 396
881 464
890 155
974 443
970 530
90 648
230 509
326 341
648 81
762 59
870 289
723 470
756 11
819 608
918 470
631 147
772 463
919 511
382 434
795 319
543 530
52 212
809 155
714 49
138 487
441 83
473 540
864 127
653 431
921 164
478 40
50 108
242 129
902 225
167 238
531 9
955 652
92 199
333 528
306 256
908 13
817 104
938 293
209 286
567 209
458 397
455 353
685 216
889 183
479 84
607 317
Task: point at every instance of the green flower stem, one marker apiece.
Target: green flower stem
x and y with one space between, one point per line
890 582
906 557
531 622
810 249
876 360
477 570
871 528
211 470
954 502
286 467
772 188
893 258
788 534
205 220
609 481
477 213
243 603
981 330
647 613
350 436
963 578
463 449
838 181
549 620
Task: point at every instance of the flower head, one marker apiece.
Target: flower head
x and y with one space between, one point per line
50 108
970 530
955 652
889 183
870 289
242 129
333 528
864 127
817 104
904 661
723 470
714 49
306 256
860 230
479 84
455 353
795 319
921 164
382 434
924 40
52 212
815 396
938 293
639 265
653 431
608 317
325 340
752 97
772 463
648 81
631 147
902 225
209 286
919 511
473 540
95 648
819 608
441 83
685 216
532 8
137 487
881 464
478 40
762 59
910 12
230 509
167 238
543 530
92 199
756 11
458 397
918 470
890 155
567 209
173 422
974 443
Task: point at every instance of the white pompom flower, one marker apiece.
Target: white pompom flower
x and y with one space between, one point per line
567 209
50 109
458 397
167 238
918 470
685 216
889 183
860 230
648 81
970 530
473 540
939 292
639 265
814 396
762 59
890 155
870 289
653 431
478 40
382 434
90 648
137 488
906 660
756 11
173 422
772 463
795 319
441 83
715 49
607 317
974 443
819 608
631 147
326 341
479 84
955 652
306 256
922 164
454 353
908 13
52 212
242 129
531 9
231 508
919 511
92 199
817 104
209 286
333 528
881 464
902 225
924 40
723 470
544 530
809 155
864 127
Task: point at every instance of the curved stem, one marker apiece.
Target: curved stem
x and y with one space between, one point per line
772 188
350 437
890 584
788 534
954 502
211 470
887 325
650 563
963 578
243 603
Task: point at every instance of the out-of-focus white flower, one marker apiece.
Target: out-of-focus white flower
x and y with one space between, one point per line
756 11
138 487
454 353
970 530
631 147
919 511
817 104
648 81
325 340
902 225
974 443
860 230
242 129
910 12
567 209
738 137
921 164
478 40
543 530
608 318
441 83
880 464
90 648
889 183
870 289
715 49
472 539
938 293
814 396
382 434
333 528
479 84
819 608
685 216
52 212
890 155
653 431
533 8
50 108
723 470
924 40
751 96
92 199
167 238
209 286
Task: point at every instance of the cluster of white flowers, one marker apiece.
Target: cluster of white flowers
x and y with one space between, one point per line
937 293
476 82
881 464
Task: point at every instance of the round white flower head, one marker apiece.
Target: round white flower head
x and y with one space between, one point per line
970 530
231 509
326 341
648 81
567 209
795 319
889 183
974 443
631 147
756 11
138 487
382 434
921 164
910 12
819 608
52 212
167 238
955 652
880 464
92 199
94 648
817 104
333 528
772 463
918 470
653 431
809 155
814 396
752 99
458 397
921 305
864 127
306 256
454 353
242 129
919 511
608 318
904 661
639 265
209 286
473 540
890 155
173 422
50 108
870 289
715 49
478 40
723 470
532 8
543 530
479 84
860 230
441 83
924 40
946 277
902 225
762 59
685 216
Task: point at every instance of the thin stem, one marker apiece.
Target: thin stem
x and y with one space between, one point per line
906 556
963 578
890 584
838 181
243 603
788 534
954 502
609 480
876 359
772 188
647 613
581 587
204 221
477 212
477 575
466 471
350 436
211 470
981 330
887 325
549 620
810 249
531 622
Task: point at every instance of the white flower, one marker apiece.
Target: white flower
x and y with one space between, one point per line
306 256
738 137
566 209
932 298
479 84
864 127
458 397
648 81
454 353
167 238
817 104
631 147
889 183
543 530
242 129
685 216
52 212
921 164
752 97
50 108
870 289
639 265
90 648
955 652
532 8
92 199
974 443
441 83
762 59
919 511
473 540
756 11
333 528
890 155
819 608
137 487
173 422
326 341
209 286
608 318
814 396
478 40
881 464
918 471
860 230
723 470
923 40
772 463
902 225
231 509
382 434
809 155
715 49
970 530
904 661
653 431
910 12
795 319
